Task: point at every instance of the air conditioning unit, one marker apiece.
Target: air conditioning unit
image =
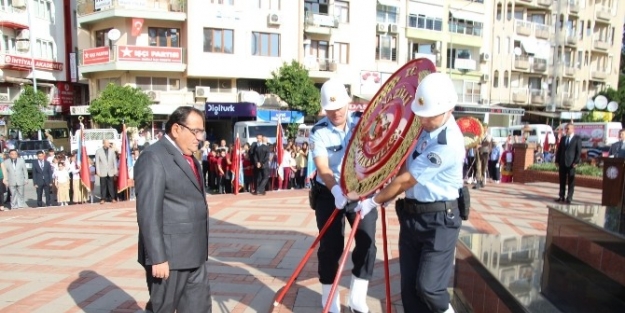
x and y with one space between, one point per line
202 92
154 96
381 27
4 97
393 28
485 77
436 47
485 56
273 19
19 4
484 102
22 45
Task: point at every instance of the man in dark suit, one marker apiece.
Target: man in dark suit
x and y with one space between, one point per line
567 158
172 213
252 153
261 164
42 178
618 148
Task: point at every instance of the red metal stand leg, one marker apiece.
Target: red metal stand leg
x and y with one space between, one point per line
387 275
352 234
301 264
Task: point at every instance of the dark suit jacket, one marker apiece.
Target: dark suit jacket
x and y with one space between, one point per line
261 154
571 154
172 211
615 148
42 176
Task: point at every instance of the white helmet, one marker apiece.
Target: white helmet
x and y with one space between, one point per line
435 95
334 95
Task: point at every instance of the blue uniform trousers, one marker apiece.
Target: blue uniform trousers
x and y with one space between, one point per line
427 243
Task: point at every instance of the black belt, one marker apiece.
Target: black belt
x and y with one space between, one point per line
412 206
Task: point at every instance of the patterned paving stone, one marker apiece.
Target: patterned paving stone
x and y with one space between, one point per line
83 258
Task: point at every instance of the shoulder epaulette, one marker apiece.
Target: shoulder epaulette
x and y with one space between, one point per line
319 126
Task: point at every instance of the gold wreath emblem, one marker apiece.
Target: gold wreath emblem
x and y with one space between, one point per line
332 99
421 101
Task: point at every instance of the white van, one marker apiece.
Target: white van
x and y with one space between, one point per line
600 133
94 137
248 131
303 133
538 133
498 133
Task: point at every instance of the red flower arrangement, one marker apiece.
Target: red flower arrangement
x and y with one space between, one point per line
472 130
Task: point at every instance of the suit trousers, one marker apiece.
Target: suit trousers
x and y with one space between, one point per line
184 291
263 178
41 190
482 167
17 197
332 243
107 188
427 243
567 175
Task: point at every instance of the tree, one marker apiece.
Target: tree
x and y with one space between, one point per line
117 105
617 95
292 84
27 110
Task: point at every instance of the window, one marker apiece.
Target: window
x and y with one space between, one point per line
101 38
518 15
8 43
43 9
265 44
164 37
44 50
319 49
226 2
158 83
269 4
341 53
218 40
215 84
499 11
316 6
496 79
387 14
341 11
506 79
103 82
424 22
386 48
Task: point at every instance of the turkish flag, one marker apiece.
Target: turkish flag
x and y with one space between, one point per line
137 25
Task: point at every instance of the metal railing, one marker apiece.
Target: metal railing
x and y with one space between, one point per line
321 20
423 22
85 7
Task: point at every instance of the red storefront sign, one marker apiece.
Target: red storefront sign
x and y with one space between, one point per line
97 55
149 54
21 63
64 96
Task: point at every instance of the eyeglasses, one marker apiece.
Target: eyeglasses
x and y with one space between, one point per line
194 131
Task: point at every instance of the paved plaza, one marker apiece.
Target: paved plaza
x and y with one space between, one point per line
83 258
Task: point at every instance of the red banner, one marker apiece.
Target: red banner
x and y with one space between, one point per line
12 61
65 95
122 178
97 55
149 54
137 25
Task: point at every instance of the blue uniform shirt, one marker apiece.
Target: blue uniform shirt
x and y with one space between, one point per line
436 164
331 142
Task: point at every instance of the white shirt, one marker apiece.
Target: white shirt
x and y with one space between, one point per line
62 176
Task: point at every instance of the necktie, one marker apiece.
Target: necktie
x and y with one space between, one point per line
41 164
192 164
568 140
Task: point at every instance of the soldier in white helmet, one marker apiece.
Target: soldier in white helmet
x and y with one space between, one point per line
329 139
429 216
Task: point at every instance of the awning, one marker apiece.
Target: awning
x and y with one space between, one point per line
479 109
429 10
389 3
15 80
163 109
467 15
529 45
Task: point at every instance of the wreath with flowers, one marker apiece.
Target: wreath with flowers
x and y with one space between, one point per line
472 130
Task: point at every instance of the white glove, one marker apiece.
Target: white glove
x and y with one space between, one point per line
365 206
339 198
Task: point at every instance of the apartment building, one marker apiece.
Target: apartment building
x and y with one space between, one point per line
553 55
45 39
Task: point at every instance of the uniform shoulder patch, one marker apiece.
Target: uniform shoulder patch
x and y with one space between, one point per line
435 159
318 127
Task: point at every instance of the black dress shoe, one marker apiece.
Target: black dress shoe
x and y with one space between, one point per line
568 201
559 200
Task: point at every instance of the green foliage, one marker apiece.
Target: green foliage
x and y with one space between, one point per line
292 84
117 105
618 96
584 169
291 130
27 114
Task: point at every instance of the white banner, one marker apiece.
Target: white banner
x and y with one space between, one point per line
102 4
72 67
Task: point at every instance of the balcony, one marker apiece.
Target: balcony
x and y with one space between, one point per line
429 56
541 31
566 70
521 63
22 62
599 74
566 99
570 39
90 12
317 23
601 45
603 14
465 65
537 96
539 65
519 96
571 5
132 58
523 28
14 18
465 29
320 67
545 3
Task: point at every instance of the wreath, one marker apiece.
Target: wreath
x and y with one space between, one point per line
472 130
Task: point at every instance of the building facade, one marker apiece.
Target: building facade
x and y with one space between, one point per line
45 38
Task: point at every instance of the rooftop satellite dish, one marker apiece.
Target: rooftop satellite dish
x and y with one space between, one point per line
590 105
517 51
612 106
114 34
601 102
